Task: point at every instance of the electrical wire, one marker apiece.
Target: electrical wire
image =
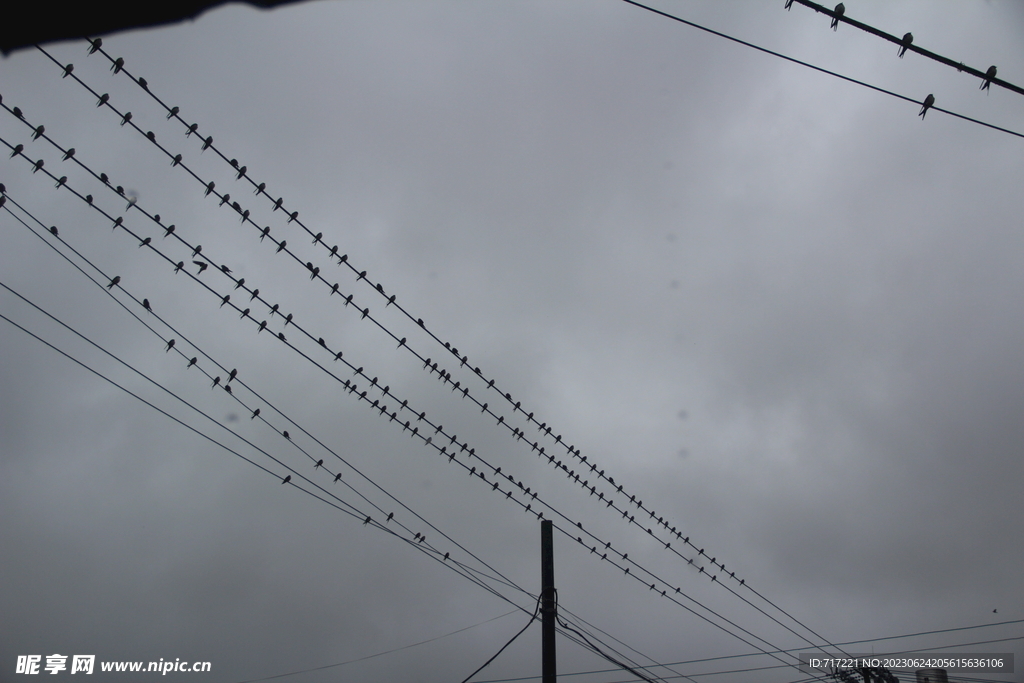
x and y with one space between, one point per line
908 46
817 68
437 553
446 377
532 619
464 446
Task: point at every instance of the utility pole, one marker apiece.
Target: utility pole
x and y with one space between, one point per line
547 602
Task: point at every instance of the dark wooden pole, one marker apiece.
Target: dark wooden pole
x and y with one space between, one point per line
547 603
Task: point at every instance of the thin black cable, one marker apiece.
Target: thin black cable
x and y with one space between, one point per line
379 654
293 216
356 515
816 68
799 649
179 335
908 46
446 377
442 450
532 619
260 189
437 553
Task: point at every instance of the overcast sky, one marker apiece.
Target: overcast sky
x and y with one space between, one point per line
777 307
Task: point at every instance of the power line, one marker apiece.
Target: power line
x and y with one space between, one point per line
427 440
817 68
907 45
532 619
436 553
379 654
442 374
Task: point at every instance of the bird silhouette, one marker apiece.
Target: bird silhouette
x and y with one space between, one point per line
181 264
170 345
172 113
244 313
203 265
281 246
337 477
216 381
287 479
192 362
67 70
192 129
118 65
908 38
95 45
839 10
926 105
207 143
227 298
145 242
38 132
241 281
255 293
126 118
264 232
319 464
38 165
53 230
255 413
169 230
209 188
145 304
989 75
17 150
68 154
225 269
263 326
114 282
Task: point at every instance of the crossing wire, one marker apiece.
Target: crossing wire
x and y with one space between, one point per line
817 68
909 46
368 518
442 373
527 507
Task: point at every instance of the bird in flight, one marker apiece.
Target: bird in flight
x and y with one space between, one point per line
202 265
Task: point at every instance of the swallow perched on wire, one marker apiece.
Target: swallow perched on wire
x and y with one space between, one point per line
926 105
839 10
287 479
118 65
908 38
95 45
170 345
989 75
17 150
172 113
114 282
145 304
38 132
319 464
